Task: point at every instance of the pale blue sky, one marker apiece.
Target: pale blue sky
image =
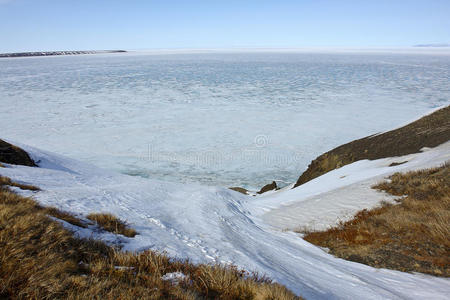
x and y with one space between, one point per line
30 25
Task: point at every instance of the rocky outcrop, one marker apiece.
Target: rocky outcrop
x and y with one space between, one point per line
11 154
429 131
268 187
239 189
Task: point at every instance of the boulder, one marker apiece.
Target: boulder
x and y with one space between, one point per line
268 187
11 154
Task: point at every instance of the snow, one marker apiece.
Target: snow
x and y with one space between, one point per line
174 277
339 194
217 225
94 232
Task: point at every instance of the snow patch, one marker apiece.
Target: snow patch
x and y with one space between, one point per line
174 277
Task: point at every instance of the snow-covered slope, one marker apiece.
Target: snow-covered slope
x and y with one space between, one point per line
339 194
208 224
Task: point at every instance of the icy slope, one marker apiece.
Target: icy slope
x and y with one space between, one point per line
339 194
209 224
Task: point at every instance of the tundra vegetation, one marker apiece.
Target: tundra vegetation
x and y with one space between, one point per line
41 259
411 235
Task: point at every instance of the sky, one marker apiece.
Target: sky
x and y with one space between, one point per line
44 25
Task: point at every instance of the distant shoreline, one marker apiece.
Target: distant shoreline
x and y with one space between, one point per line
53 53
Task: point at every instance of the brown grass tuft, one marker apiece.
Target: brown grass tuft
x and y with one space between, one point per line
40 259
112 224
410 236
7 181
217 282
65 216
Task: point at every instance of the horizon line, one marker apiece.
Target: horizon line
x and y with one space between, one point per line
419 49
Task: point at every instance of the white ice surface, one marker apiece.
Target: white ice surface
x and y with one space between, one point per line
208 224
221 119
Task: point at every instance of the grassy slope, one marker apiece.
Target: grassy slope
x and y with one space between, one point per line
429 131
40 259
410 236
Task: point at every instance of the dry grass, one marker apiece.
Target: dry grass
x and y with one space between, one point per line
5 181
8 182
410 236
112 224
40 259
65 216
429 131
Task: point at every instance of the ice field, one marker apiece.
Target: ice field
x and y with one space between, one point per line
222 119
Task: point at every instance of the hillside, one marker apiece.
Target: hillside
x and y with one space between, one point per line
410 235
212 225
41 259
429 131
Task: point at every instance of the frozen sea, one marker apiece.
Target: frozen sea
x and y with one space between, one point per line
215 118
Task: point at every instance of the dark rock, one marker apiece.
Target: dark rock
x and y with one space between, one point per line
268 187
397 163
239 189
11 154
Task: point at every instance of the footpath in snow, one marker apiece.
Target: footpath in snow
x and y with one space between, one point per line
217 225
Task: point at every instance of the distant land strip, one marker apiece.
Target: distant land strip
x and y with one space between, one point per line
432 45
50 53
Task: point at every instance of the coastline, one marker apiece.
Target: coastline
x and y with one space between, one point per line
56 53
